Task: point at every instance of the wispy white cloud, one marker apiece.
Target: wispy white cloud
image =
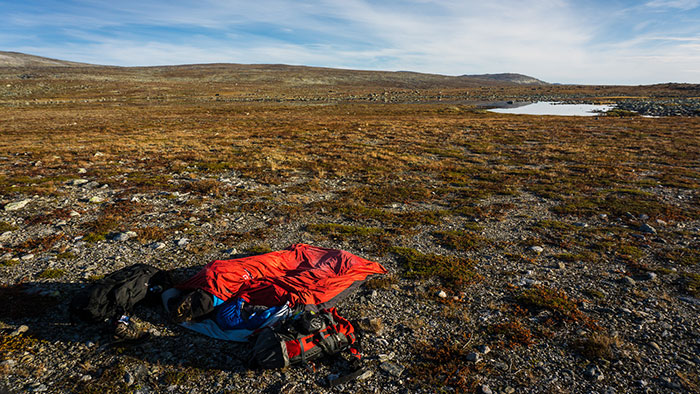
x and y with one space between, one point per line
679 4
556 40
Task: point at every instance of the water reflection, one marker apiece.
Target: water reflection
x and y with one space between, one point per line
554 108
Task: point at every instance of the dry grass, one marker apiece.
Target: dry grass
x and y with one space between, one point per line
358 166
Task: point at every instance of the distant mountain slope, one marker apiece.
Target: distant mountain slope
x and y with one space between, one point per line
509 77
16 59
285 74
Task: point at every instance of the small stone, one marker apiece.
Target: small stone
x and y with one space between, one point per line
603 216
628 281
650 276
6 257
231 251
20 330
15 206
442 294
81 170
74 214
129 379
125 236
368 374
594 373
485 389
537 249
86 378
561 265
392 368
473 357
182 241
690 300
484 349
98 154
96 199
645 228
509 390
157 245
386 357
643 217
8 364
655 346
27 257
661 222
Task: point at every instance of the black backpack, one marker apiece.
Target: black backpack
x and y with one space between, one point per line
118 292
302 339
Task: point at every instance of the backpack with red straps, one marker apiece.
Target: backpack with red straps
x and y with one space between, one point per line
304 338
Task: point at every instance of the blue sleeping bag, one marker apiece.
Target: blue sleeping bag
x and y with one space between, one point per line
234 314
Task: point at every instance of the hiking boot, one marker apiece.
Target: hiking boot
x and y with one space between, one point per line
126 329
180 308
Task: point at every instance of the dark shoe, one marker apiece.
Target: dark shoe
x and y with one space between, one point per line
180 308
127 330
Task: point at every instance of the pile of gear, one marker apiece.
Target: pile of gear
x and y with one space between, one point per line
282 303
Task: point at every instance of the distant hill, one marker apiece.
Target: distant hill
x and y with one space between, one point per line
16 59
286 74
509 77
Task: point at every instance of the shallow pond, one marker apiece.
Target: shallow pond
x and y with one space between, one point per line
554 108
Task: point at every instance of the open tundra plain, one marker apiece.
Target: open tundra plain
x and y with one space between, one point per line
525 253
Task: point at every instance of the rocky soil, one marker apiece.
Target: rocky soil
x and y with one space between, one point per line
525 254
653 330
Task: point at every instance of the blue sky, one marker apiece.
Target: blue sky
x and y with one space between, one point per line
590 42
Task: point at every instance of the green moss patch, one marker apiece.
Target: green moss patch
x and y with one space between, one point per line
460 240
452 271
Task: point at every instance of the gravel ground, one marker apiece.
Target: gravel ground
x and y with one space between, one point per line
650 328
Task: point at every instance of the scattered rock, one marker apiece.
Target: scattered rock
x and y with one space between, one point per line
645 228
392 368
129 379
96 199
81 170
628 281
157 245
27 257
485 389
474 357
15 206
649 276
7 364
125 236
537 249
442 294
484 349
20 330
594 373
78 182
182 242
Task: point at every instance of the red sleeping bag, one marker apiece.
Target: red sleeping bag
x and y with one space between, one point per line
301 275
